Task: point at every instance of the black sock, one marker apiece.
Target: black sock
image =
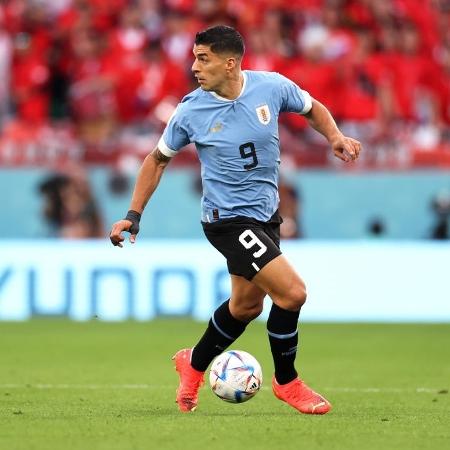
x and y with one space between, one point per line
283 336
223 329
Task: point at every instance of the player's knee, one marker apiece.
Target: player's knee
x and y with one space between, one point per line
248 312
296 297
251 313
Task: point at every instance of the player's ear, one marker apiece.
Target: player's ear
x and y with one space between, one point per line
231 63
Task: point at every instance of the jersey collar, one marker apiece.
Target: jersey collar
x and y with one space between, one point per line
223 99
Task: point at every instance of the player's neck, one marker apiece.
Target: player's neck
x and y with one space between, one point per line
232 88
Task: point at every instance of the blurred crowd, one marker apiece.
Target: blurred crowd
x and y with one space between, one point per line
96 80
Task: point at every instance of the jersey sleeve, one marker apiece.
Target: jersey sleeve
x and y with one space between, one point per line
293 99
175 135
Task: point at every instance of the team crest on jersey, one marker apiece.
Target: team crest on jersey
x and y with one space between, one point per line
263 113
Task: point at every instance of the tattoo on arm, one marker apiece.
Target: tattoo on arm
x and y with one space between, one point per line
160 157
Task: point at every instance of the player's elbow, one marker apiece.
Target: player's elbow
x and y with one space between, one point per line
159 158
317 114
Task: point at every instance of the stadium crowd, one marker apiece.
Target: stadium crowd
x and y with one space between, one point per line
96 80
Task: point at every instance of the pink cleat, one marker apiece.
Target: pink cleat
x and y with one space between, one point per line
297 394
190 381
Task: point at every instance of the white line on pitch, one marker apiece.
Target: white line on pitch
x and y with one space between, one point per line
383 390
82 386
155 386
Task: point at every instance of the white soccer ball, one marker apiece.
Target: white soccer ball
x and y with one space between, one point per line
235 376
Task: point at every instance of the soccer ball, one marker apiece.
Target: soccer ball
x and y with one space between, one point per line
235 376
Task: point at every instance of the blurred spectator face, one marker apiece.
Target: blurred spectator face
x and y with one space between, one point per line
410 40
257 42
85 45
22 45
153 52
382 10
130 18
389 39
148 5
442 26
175 23
207 9
36 14
177 41
80 4
272 22
445 60
365 42
55 7
130 37
331 16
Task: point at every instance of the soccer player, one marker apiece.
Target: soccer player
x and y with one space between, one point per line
233 121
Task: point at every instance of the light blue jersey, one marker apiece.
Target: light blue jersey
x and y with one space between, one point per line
237 143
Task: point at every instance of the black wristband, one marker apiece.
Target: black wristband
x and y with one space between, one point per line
134 217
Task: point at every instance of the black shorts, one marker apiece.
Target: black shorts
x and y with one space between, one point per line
247 244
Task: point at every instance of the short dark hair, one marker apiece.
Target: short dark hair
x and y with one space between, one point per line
221 39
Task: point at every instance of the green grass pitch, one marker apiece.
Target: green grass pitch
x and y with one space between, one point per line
108 386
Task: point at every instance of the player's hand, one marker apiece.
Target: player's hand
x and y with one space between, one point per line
345 148
130 224
116 232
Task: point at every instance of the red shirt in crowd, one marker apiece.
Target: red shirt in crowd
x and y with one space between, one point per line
30 77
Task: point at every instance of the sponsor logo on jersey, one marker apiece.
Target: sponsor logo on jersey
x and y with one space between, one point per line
263 113
217 127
